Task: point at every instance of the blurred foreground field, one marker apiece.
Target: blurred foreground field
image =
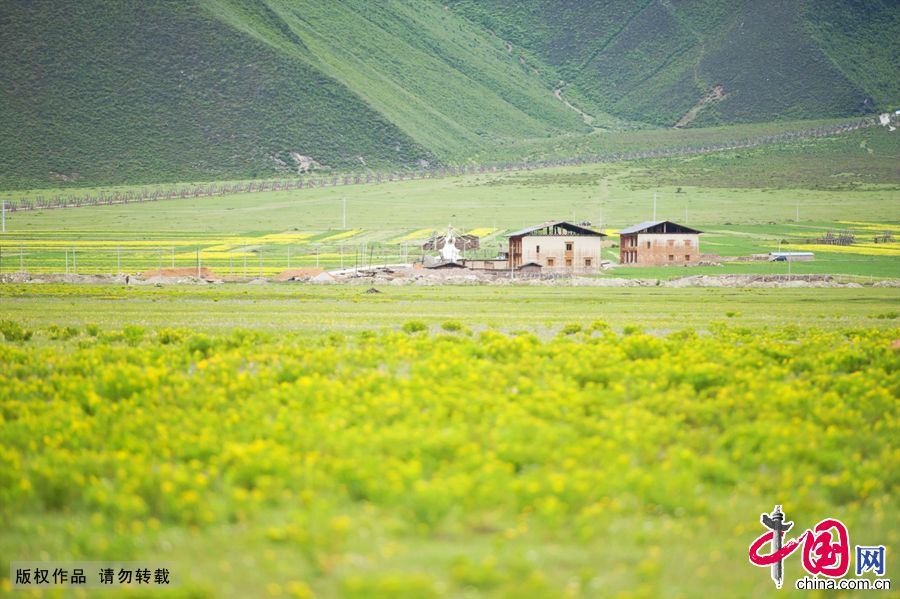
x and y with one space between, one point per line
447 442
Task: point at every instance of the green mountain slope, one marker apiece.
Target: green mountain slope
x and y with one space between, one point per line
109 92
655 60
442 80
131 91
95 92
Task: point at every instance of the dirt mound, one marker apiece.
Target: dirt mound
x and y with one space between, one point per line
755 281
298 274
204 273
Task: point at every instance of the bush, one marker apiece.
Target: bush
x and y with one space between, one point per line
13 331
61 333
452 326
414 326
169 336
133 334
571 329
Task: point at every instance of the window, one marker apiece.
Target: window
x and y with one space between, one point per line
568 262
648 245
687 257
587 262
538 249
671 258
687 243
671 242
550 261
568 246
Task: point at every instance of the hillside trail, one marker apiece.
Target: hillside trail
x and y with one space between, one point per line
588 119
713 96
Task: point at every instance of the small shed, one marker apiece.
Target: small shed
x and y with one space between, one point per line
530 268
445 265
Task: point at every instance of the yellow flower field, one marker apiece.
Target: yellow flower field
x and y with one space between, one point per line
866 249
342 235
417 464
482 231
414 235
873 227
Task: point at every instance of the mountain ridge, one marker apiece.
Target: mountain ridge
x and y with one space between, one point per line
96 93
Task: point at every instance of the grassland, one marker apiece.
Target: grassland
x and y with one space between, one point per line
318 311
749 201
324 442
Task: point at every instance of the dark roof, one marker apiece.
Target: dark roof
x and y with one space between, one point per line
661 226
558 224
447 265
521 266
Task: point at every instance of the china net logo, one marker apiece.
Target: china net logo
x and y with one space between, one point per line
825 555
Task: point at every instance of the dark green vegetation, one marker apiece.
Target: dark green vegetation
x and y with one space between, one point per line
98 93
653 60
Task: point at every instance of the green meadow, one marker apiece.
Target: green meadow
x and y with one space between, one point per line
745 202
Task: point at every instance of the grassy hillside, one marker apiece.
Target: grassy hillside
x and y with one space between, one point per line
112 92
177 91
98 93
654 60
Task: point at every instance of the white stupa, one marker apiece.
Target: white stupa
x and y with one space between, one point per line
450 253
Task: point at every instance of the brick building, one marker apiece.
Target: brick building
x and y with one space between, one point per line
657 243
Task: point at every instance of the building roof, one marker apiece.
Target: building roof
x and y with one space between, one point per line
667 227
558 224
791 254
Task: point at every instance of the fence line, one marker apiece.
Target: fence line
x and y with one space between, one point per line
247 261
172 192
